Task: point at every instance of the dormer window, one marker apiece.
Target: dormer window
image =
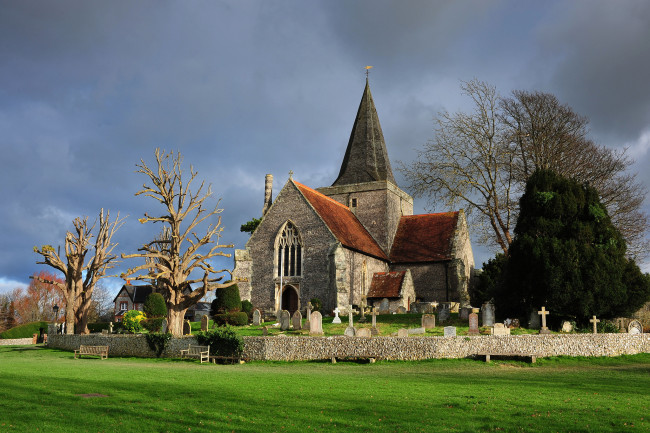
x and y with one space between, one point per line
289 252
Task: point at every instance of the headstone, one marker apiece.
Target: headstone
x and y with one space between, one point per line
374 317
374 332
350 331
265 331
316 324
257 317
567 326
285 320
401 310
416 331
110 327
350 320
363 332
403 332
187 328
512 323
296 320
500 329
362 307
595 322
544 328
336 319
105 331
473 324
163 328
428 321
449 331
309 308
204 323
464 313
487 314
384 306
534 321
635 327
444 313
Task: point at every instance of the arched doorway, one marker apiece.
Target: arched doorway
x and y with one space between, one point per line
289 299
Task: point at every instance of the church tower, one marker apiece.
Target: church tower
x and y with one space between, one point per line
365 182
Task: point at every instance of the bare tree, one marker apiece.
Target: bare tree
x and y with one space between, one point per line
81 274
550 135
171 258
469 163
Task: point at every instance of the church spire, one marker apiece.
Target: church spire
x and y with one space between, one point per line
366 159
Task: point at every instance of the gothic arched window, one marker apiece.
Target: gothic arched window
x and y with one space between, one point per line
289 252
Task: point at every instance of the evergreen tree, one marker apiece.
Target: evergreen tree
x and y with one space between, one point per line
227 300
567 256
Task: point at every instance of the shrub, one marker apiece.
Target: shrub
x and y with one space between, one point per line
98 327
158 341
223 341
247 307
237 319
155 305
227 301
131 321
153 324
316 304
24 331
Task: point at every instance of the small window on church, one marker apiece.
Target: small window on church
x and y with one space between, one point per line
289 252
353 202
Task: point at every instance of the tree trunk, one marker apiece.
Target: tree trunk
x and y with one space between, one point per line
175 316
69 317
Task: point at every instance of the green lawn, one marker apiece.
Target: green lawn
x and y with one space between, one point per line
42 390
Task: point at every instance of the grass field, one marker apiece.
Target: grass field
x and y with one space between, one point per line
47 390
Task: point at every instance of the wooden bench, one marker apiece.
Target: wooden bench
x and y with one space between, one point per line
201 353
101 351
487 355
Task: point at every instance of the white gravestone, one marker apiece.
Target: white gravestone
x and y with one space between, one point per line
296 320
449 331
543 313
487 314
336 319
635 327
595 322
316 324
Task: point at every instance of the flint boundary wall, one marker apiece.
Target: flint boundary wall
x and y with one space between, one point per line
16 341
391 348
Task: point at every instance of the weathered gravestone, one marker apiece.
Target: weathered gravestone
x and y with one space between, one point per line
465 312
316 324
309 308
204 323
635 327
265 331
336 319
428 321
595 323
403 332
285 320
473 324
384 306
163 327
363 332
374 330
534 321
296 320
500 329
187 328
567 326
257 317
350 331
401 310
487 314
544 329
449 331
416 331
350 319
444 313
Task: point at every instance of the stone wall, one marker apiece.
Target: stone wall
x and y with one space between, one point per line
392 348
16 341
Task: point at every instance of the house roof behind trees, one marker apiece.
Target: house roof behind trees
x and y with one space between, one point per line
137 294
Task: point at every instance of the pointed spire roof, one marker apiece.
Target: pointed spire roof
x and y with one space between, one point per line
366 158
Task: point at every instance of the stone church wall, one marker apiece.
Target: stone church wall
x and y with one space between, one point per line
462 267
429 280
290 205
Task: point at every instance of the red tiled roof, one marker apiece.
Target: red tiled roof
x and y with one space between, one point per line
386 284
424 238
342 223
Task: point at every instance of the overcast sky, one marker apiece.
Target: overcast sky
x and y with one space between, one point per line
245 88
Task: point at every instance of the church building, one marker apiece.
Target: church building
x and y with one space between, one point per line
356 241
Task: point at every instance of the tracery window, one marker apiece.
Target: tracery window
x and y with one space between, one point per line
289 252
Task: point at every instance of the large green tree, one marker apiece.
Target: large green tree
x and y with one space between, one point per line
568 256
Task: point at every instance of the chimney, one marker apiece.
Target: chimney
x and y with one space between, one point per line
268 192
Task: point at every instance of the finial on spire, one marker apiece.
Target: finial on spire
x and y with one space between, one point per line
290 174
368 68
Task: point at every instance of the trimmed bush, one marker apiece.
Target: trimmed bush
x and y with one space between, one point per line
223 341
227 301
155 306
247 307
316 304
132 321
26 330
153 324
237 319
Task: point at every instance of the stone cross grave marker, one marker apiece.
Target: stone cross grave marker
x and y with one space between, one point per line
449 331
187 328
316 324
296 320
336 319
635 327
110 328
543 313
487 314
473 324
595 322
374 331
257 317
204 323
444 313
362 306
363 332
350 321
285 320
428 321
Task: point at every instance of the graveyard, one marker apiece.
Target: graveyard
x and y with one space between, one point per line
43 389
